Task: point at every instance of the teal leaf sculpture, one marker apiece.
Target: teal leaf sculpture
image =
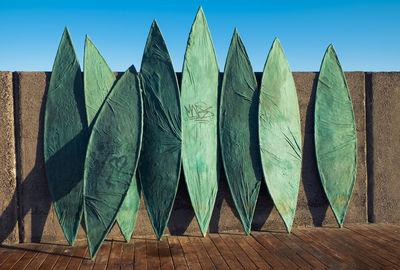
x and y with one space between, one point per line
112 157
335 135
160 160
280 134
65 138
98 82
199 107
239 131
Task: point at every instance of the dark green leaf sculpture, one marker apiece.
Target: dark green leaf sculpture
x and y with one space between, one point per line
280 133
65 137
335 135
160 160
239 131
199 106
111 157
98 81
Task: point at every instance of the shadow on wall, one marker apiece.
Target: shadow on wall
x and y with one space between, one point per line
38 201
33 194
316 199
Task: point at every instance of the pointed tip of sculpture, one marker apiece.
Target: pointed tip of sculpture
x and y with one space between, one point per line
71 240
288 225
331 49
277 41
66 32
154 23
87 39
200 12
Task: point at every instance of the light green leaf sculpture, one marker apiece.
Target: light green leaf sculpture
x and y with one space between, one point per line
65 138
199 107
111 158
160 160
335 135
280 134
127 214
239 131
98 82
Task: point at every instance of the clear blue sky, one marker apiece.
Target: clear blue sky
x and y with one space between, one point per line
366 34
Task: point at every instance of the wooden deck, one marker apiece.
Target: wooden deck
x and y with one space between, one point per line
369 246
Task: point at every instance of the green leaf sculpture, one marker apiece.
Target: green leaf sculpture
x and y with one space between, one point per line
335 135
280 133
239 131
65 138
98 82
112 157
160 160
199 106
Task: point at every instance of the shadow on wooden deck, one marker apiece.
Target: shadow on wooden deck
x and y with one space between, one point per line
358 246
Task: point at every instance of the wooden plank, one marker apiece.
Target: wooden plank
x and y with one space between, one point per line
51 260
140 254
202 255
102 256
338 243
276 247
87 262
292 255
318 244
213 253
115 256
315 251
226 252
190 254
374 238
25 260
43 253
152 258
77 257
177 253
165 254
251 253
370 250
13 258
289 241
386 231
65 257
239 253
268 256
127 260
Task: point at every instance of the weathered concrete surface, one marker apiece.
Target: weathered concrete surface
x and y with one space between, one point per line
39 221
383 92
8 179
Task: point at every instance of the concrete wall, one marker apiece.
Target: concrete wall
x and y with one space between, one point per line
383 119
37 221
8 180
